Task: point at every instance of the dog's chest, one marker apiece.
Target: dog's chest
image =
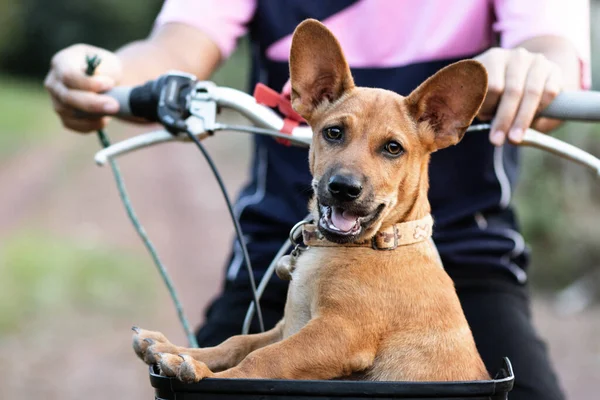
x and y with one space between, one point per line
302 299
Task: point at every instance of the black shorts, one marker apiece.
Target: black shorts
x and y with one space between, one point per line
496 306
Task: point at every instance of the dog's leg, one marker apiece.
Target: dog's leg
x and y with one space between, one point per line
325 348
153 348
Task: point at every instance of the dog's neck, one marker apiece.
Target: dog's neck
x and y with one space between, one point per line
419 207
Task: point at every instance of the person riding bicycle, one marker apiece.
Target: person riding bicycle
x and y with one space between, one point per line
532 50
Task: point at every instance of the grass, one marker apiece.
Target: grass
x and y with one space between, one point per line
25 113
41 274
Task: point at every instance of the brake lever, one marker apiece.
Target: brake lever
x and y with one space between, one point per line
132 144
201 122
204 101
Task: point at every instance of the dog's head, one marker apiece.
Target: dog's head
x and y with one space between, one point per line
371 147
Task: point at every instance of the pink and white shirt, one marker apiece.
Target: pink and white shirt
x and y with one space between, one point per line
392 33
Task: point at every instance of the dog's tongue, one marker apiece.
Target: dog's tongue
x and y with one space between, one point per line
343 220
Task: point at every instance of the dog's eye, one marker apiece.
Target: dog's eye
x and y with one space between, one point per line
393 148
333 133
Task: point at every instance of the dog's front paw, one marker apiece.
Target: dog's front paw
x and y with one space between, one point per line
147 344
182 367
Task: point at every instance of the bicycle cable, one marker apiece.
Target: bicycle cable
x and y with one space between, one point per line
92 64
236 224
263 284
266 278
261 131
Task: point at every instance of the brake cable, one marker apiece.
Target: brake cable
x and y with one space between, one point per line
238 229
92 64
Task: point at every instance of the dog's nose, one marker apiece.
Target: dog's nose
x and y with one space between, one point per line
344 187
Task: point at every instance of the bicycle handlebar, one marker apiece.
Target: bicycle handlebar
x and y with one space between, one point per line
123 95
574 106
180 103
137 101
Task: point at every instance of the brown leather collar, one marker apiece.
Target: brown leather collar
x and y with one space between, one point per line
400 234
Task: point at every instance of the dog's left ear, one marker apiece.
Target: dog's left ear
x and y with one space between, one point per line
449 101
318 69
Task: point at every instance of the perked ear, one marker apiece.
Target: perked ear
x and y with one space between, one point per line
450 100
318 69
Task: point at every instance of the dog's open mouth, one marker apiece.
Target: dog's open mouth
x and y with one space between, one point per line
340 221
341 225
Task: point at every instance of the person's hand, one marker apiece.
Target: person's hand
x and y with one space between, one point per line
74 93
520 84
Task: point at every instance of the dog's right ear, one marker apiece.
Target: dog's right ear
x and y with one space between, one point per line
449 101
318 69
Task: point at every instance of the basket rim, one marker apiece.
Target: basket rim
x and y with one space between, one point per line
503 383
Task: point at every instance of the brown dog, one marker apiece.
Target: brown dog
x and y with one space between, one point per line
369 298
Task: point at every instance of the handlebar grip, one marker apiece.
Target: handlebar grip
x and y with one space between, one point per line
162 100
121 94
574 106
143 100
139 101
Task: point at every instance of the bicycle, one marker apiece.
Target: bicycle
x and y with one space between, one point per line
188 109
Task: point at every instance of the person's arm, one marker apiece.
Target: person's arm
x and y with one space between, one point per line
545 50
171 46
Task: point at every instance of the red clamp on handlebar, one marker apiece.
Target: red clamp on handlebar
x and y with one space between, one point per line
288 127
269 97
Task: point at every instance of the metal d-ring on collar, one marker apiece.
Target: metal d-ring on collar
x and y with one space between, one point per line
297 240
296 236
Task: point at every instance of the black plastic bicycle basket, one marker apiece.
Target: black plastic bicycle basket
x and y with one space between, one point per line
268 389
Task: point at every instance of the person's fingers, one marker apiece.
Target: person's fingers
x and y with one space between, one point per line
75 96
50 82
60 108
77 79
86 101
496 68
533 90
70 64
516 74
65 101
553 87
494 61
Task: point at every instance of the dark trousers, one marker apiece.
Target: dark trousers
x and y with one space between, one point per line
496 307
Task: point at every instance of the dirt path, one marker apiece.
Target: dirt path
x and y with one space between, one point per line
75 352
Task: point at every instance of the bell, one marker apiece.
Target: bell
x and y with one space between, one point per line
285 267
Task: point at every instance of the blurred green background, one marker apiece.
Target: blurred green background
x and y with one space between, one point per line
65 245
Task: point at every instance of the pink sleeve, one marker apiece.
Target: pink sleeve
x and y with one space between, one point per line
519 20
224 21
